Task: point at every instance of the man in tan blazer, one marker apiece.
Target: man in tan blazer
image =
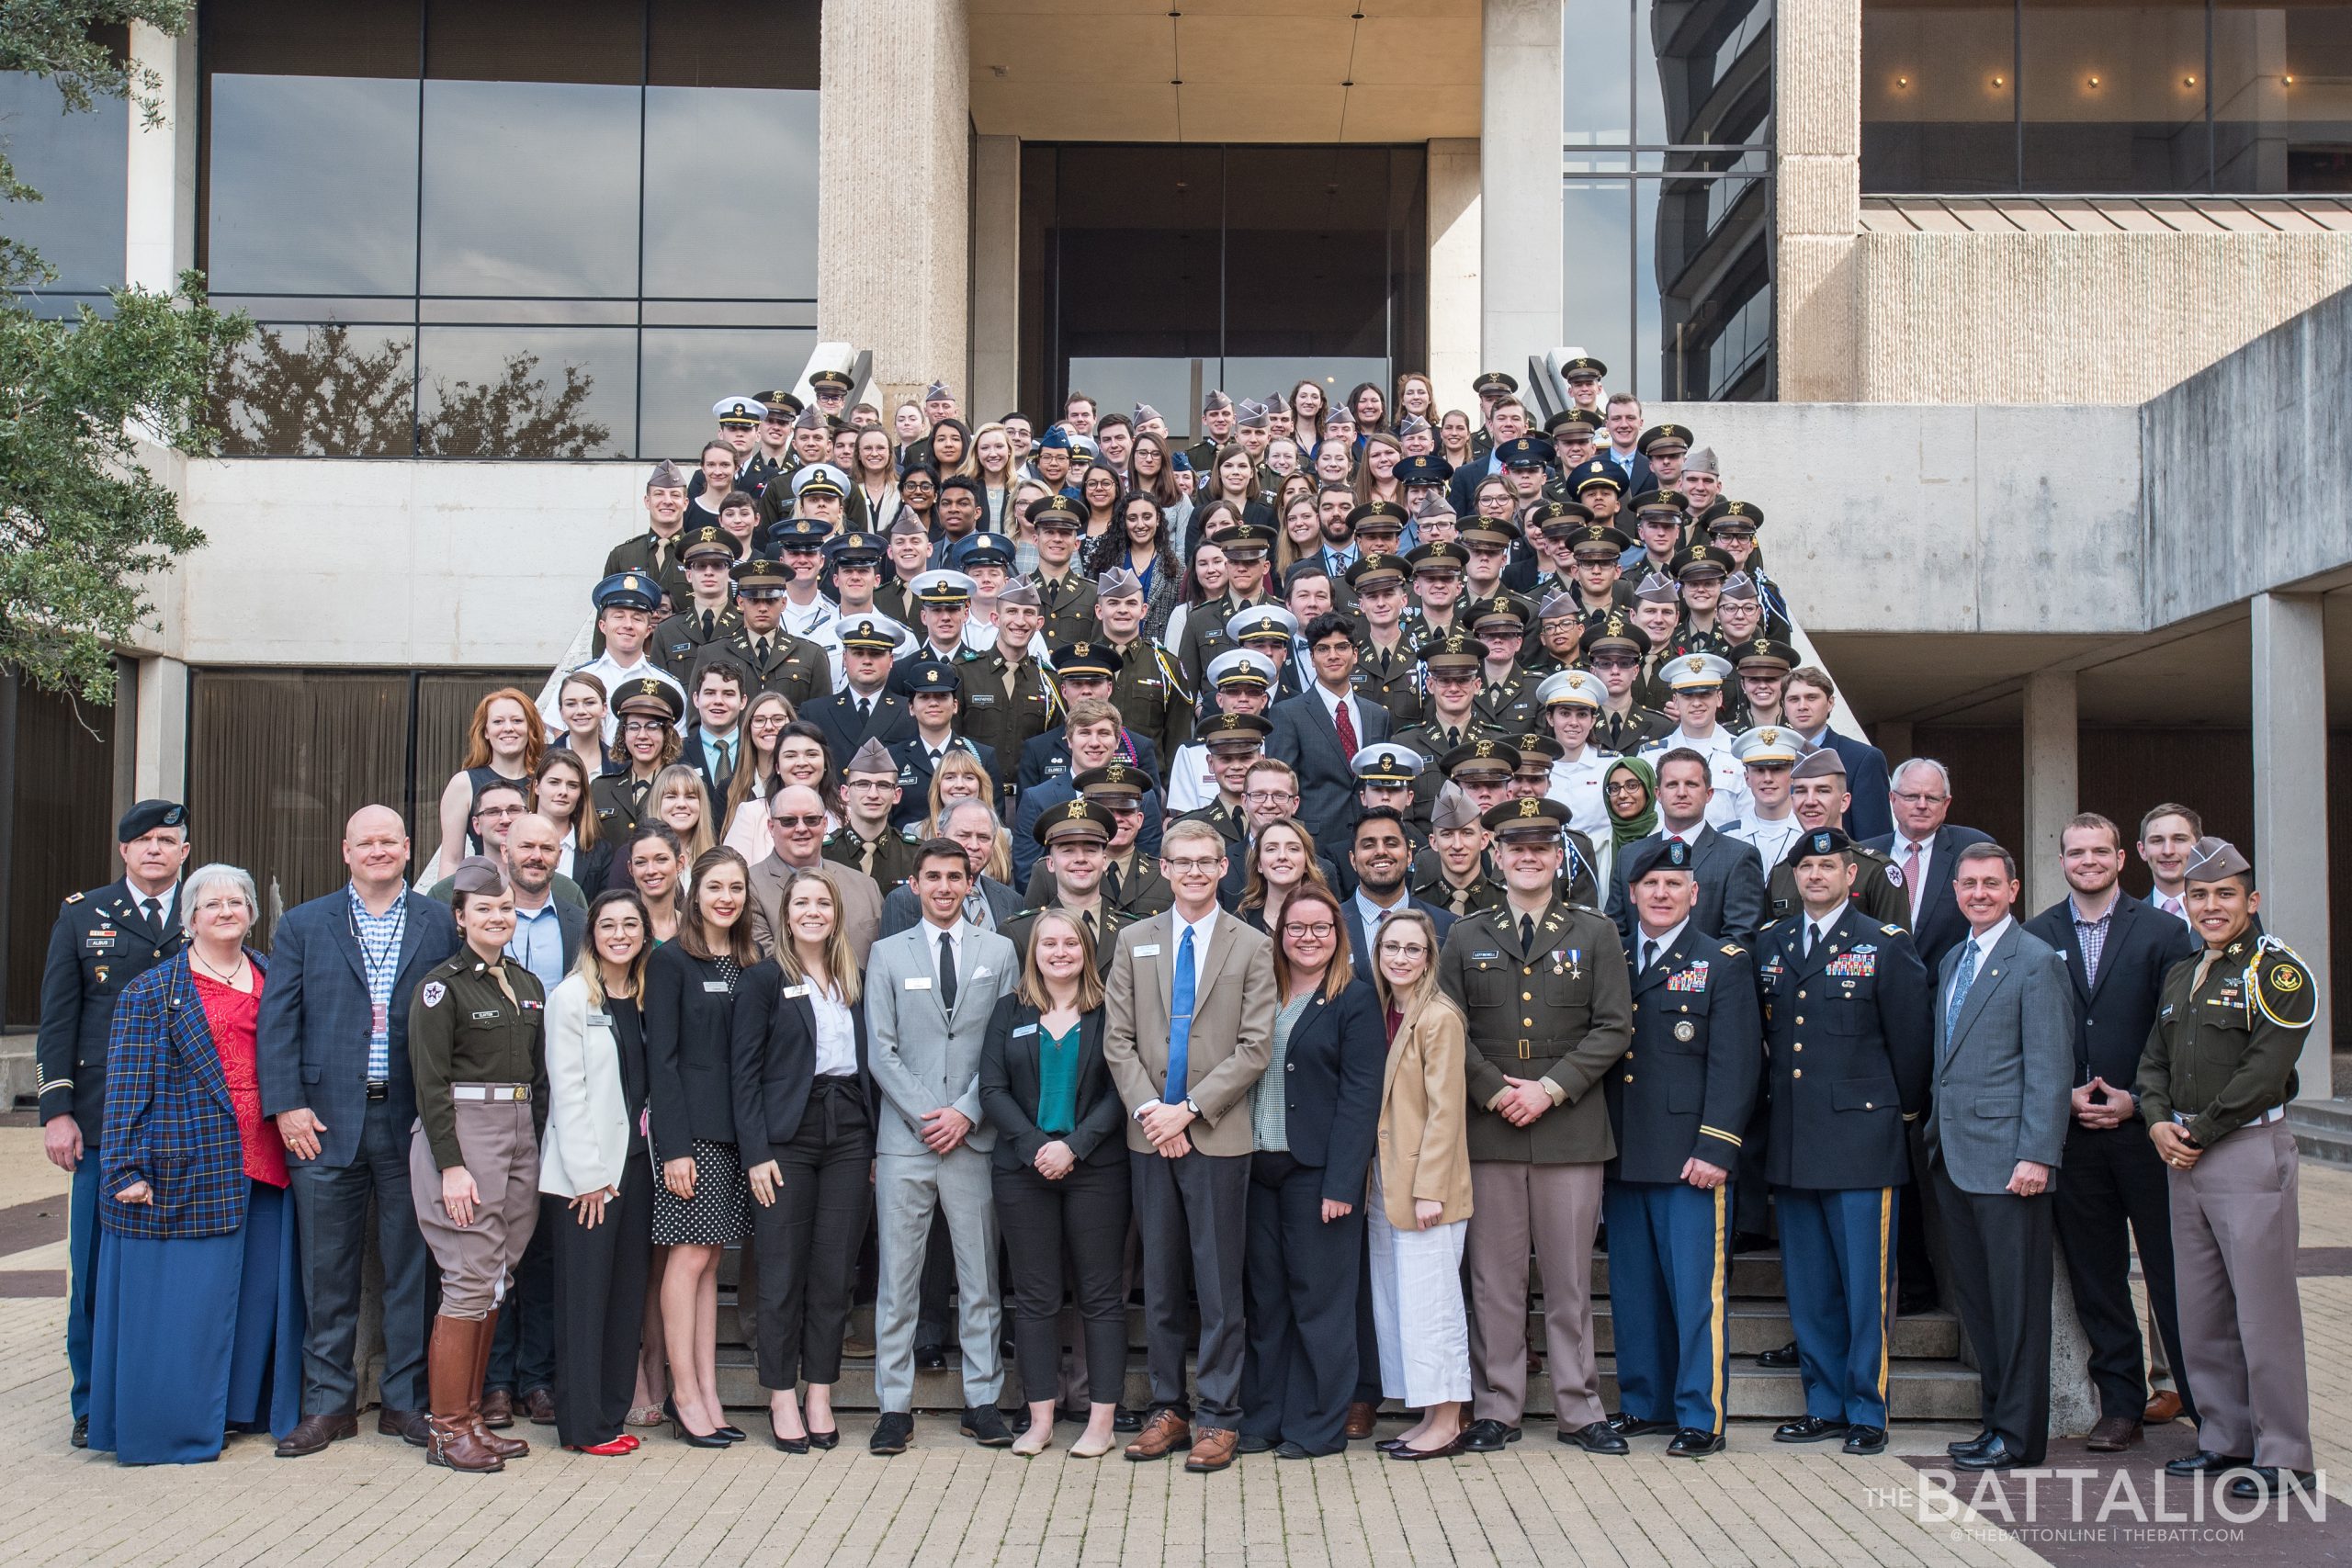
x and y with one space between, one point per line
1188 1029
796 829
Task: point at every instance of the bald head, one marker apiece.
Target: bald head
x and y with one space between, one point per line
375 848
797 824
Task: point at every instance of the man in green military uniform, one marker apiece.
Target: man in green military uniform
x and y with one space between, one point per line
1387 664
1065 600
1077 840
1454 873
708 618
865 839
1245 546
1153 695
1613 650
1817 794
1544 986
1007 699
655 551
778 661
2213 1088
1131 880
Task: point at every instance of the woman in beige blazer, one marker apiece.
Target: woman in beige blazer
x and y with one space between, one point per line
1420 1194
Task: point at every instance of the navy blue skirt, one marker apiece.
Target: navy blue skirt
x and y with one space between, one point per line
197 1337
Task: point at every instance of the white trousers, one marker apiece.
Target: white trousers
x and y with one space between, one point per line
1416 1308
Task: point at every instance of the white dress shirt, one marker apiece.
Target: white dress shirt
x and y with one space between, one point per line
1333 701
1665 944
1771 836
837 1031
613 673
1576 785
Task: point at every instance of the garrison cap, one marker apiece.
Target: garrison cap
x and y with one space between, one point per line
937 392
1240 667
1658 589
650 695
666 475
1530 817
1570 688
1057 438
1767 745
1118 584
907 522
1386 764
1082 819
477 873
1452 808
811 419
1018 596
739 410
872 757
626 591
1702 460
2213 859
148 815
1145 414
1667 438
1560 607
1658 855
1820 763
1739 585
1099 659
1253 416
1214 401
1411 425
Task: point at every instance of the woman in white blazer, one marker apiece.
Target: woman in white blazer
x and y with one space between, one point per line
593 1156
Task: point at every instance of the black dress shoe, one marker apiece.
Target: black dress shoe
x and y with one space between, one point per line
826 1440
1692 1443
931 1358
1995 1455
733 1434
786 1445
81 1438
2203 1461
1626 1426
1287 1450
1251 1443
694 1440
2264 1480
1808 1430
1750 1241
891 1432
1488 1437
1412 1455
1595 1438
1786 1355
1967 1444
1126 1420
1870 1441
984 1424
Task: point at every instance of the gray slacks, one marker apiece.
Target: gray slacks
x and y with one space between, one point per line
907 1189
2235 1224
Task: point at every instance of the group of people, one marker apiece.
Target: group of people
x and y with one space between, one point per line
1295 878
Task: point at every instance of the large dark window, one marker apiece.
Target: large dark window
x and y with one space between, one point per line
542 229
79 163
2197 95
1667 138
1151 274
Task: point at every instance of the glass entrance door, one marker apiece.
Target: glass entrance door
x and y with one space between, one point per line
1153 272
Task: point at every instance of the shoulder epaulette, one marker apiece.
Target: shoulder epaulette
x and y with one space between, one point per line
1892 930
1733 950
73 897
2280 985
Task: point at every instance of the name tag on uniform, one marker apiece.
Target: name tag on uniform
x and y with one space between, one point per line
1024 1029
790 992
1148 949
918 982
979 699
719 986
486 1013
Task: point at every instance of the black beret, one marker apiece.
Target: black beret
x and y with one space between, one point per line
148 815
1655 855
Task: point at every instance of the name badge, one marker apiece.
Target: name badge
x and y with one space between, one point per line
485 1015
1024 1029
918 982
790 992
717 986
379 1019
1148 949
981 699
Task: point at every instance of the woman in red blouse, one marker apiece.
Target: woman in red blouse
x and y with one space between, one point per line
198 1306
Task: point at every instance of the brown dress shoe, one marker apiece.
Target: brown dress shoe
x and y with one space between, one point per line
498 1409
2163 1407
313 1433
539 1405
1212 1449
410 1427
1363 1418
1162 1435
2112 1435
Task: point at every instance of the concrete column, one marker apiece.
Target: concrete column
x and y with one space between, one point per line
2290 851
893 190
1522 270
2052 775
160 761
1817 119
159 240
1455 317
996 277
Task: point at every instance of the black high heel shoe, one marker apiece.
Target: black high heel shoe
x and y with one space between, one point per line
687 1435
827 1440
788 1445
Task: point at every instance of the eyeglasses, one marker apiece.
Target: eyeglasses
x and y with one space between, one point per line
1615 663
1913 797
877 786
1267 796
1194 867
1629 786
642 727
808 820
495 812
1404 950
1301 929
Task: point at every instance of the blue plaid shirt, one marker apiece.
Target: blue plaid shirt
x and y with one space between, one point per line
379 937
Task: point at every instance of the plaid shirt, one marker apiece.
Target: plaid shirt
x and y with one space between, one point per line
379 937
2091 935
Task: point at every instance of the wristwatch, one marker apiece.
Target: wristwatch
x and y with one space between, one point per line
1189 1106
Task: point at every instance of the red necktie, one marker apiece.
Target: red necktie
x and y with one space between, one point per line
1911 875
1347 727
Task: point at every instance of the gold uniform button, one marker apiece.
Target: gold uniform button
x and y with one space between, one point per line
1527 1023
1797 1073
1629 1077
1797 1047
1527 996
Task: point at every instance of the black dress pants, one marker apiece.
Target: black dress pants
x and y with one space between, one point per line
599 1308
1074 1228
1300 1282
2001 1265
806 1242
2112 1195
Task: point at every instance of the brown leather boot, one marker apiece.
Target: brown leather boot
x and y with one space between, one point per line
449 1377
504 1447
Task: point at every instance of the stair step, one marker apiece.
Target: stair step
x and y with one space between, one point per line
2323 1129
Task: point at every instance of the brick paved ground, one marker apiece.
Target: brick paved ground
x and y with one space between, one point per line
374 1501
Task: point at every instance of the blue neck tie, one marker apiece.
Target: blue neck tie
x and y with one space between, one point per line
1180 1023
1962 978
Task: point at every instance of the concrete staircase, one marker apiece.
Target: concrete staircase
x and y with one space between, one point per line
2323 1129
1928 1380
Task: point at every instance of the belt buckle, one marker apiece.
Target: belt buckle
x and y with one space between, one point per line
378 1088
1523 1054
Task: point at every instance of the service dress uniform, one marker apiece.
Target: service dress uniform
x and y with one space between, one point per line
797 667
888 857
1879 892
2220 1066
101 942
1848 1030
1067 606
1005 714
678 642
1682 1092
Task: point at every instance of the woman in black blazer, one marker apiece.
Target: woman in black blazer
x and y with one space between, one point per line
1316 1115
700 1208
1060 1175
804 1121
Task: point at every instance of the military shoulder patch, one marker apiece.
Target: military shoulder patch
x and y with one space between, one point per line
1893 874
433 992
2281 987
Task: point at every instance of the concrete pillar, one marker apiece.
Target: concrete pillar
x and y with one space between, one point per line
894 190
159 767
1455 317
1522 271
996 277
2290 851
1817 119
159 238
2051 775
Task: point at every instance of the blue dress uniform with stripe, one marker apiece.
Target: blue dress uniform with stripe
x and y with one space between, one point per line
102 942
1847 1029
1681 1092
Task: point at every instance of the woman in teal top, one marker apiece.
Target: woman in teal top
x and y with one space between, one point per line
1060 1174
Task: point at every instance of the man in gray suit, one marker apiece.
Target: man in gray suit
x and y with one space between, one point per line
1731 877
1996 1128
929 995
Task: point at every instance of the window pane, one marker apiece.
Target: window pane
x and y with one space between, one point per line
688 369
694 135
324 391
1939 98
2283 98
77 161
699 43
539 40
1597 55
2115 97
530 189
1599 310
348 145
302 38
529 392
1649 349
1712 238
1118 385
1134 259
1703 72
1306 248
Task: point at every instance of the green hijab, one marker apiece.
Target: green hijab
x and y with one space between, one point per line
1623 830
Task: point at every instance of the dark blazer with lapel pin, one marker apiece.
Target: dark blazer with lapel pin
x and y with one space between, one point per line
315 1017
1330 1086
1360 947
772 1059
689 1027
2003 1066
100 943
1306 737
1940 925
2114 1014
1010 1081
1699 1038
1731 886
